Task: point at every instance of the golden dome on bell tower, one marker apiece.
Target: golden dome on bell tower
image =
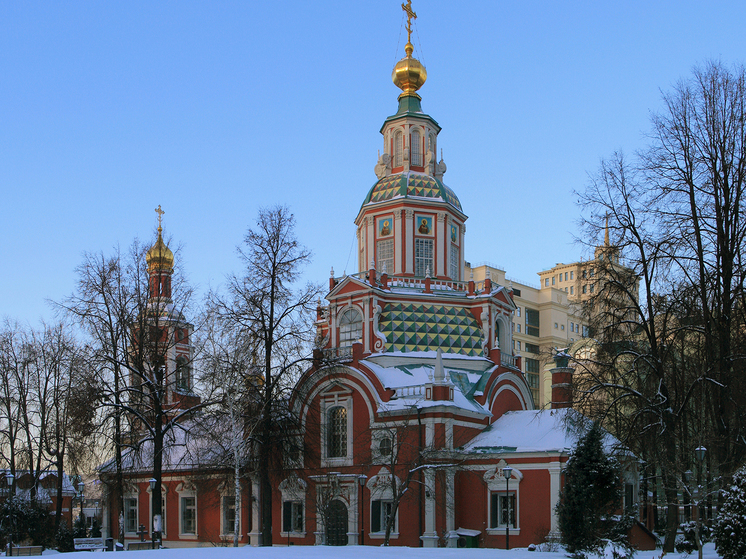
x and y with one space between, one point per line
159 257
409 73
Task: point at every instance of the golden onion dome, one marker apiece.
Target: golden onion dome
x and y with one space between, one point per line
160 257
409 74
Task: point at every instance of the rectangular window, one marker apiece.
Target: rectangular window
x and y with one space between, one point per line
379 516
585 331
189 515
532 348
516 292
565 276
502 510
292 516
423 257
572 275
584 288
517 345
454 263
553 278
546 282
591 288
130 514
532 322
572 289
585 274
517 309
532 365
229 515
385 253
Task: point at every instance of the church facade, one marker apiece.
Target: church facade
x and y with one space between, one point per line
419 423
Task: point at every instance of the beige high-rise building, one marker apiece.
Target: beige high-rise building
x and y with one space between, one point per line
553 314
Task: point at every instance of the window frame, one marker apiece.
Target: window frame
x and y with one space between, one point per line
294 507
348 338
127 510
427 262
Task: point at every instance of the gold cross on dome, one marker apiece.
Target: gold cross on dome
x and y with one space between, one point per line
410 15
160 213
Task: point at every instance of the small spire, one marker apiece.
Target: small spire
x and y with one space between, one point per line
372 264
331 273
606 232
439 373
427 271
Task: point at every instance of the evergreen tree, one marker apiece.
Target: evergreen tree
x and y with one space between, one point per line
730 526
591 495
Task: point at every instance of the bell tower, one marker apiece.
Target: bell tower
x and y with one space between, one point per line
411 224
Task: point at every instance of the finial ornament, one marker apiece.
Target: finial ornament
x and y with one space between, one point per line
410 15
160 213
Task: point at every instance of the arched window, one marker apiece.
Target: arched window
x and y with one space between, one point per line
398 149
337 432
416 149
350 328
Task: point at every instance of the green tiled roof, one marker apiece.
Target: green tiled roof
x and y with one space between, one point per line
412 327
411 184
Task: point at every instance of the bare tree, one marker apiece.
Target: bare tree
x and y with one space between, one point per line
265 304
135 319
665 369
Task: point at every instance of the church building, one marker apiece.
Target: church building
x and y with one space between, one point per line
417 419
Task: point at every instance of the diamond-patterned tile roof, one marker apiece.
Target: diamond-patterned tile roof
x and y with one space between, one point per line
411 184
423 327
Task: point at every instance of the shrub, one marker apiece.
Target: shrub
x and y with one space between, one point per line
730 525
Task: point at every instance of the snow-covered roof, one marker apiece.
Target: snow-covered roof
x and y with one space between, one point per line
535 431
408 378
188 445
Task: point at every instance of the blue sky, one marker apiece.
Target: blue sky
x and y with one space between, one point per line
215 109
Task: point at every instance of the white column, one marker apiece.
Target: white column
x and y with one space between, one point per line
255 535
430 536
409 265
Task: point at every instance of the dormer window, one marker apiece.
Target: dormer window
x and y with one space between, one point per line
415 145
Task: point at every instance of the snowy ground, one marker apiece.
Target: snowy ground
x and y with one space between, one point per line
360 552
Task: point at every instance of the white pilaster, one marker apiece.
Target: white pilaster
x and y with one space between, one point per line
441 252
409 266
255 535
369 242
555 471
398 264
430 536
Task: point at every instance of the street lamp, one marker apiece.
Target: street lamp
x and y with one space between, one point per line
81 485
361 479
9 477
699 453
507 472
152 482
